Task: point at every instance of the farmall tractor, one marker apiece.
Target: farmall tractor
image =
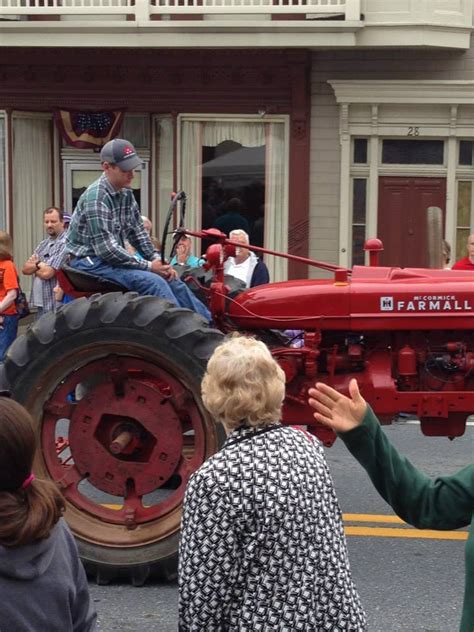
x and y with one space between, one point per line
112 381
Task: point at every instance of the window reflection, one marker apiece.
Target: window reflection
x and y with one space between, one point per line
233 189
359 215
412 152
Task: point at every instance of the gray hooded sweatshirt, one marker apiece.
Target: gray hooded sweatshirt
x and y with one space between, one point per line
43 586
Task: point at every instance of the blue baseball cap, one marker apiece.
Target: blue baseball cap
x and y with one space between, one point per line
122 153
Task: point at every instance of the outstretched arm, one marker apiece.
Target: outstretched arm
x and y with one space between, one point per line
445 503
335 410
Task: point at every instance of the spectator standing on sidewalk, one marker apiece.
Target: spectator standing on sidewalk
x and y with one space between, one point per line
262 541
45 261
8 294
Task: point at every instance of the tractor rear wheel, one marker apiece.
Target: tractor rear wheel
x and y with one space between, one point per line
113 386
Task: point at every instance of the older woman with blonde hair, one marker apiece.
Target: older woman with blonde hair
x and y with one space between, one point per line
262 545
8 293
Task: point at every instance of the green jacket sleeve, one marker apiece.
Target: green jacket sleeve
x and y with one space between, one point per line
444 503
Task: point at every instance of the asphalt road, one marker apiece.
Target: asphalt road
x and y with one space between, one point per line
406 584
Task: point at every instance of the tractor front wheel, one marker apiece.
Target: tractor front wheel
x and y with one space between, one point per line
113 386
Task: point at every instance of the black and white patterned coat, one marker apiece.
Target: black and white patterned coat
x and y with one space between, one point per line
262 545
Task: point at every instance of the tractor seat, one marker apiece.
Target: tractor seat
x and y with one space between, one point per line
84 282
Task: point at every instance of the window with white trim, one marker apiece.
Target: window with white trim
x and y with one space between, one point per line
3 173
241 157
79 174
359 181
82 166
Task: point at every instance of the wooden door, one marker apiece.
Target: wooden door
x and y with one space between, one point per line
402 218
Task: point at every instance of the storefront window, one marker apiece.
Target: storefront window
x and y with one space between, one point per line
233 188
3 193
235 176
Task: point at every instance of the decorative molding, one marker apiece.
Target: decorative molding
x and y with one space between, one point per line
374 119
259 79
397 91
453 120
298 129
344 122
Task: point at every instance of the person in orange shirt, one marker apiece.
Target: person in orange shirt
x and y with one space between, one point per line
8 294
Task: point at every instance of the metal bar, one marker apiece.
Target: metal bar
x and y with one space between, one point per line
330 267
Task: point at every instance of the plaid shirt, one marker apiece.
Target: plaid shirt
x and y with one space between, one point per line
52 252
101 223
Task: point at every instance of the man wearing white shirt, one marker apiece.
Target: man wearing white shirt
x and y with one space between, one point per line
245 266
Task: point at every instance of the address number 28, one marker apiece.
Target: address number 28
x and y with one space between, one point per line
413 131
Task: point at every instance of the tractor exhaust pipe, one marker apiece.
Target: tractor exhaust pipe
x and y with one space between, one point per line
435 237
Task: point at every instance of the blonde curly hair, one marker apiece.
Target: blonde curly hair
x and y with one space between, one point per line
243 384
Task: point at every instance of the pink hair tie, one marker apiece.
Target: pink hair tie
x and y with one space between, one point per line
28 481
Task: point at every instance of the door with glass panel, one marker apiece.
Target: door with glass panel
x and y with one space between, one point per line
79 175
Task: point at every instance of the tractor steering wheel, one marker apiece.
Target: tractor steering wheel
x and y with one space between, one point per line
177 233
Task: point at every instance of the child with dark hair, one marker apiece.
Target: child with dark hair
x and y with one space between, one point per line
42 582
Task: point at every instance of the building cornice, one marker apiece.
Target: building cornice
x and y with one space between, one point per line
404 91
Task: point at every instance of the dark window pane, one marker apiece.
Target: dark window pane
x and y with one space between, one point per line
360 151
465 152
359 200
233 189
358 239
412 152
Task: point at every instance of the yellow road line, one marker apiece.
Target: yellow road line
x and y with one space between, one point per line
381 532
371 518
395 532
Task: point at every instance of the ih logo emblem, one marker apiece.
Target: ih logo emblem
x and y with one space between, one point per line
386 303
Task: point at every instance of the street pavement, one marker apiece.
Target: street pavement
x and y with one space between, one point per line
406 584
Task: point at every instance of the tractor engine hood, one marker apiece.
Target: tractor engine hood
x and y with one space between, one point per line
374 298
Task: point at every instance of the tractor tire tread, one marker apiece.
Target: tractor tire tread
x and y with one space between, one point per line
49 338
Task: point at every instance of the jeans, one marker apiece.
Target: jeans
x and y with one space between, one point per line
143 282
8 333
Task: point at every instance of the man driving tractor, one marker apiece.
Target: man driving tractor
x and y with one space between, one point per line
106 216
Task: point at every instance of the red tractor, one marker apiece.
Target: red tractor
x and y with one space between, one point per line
112 381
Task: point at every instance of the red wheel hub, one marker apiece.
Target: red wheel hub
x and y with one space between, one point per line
136 435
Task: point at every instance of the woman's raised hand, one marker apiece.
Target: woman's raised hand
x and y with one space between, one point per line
335 410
